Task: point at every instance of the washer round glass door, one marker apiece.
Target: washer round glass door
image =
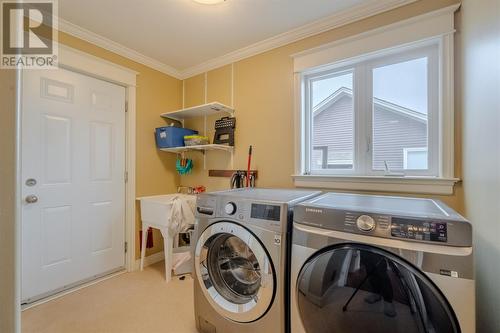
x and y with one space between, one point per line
361 288
234 271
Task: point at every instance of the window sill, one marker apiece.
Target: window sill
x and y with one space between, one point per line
422 185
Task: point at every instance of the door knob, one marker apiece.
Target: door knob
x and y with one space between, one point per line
31 198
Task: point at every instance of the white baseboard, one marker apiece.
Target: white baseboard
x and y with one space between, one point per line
150 260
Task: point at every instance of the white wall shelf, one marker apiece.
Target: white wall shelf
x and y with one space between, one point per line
199 111
204 110
202 148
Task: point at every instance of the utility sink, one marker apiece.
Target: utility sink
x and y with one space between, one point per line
155 213
155 209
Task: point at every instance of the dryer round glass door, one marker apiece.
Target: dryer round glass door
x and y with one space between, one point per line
361 288
235 272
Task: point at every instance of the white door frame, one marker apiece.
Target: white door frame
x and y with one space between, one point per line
87 64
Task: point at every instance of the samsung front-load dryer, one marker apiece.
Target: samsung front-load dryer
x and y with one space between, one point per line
363 263
240 259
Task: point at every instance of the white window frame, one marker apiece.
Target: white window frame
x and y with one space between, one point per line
430 29
411 150
362 70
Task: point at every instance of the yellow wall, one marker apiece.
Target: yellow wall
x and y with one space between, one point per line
8 308
263 99
478 62
218 89
156 93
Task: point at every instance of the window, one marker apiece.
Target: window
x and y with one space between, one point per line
332 121
415 158
374 116
375 111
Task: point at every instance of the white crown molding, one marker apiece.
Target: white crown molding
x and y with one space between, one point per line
420 18
347 16
108 44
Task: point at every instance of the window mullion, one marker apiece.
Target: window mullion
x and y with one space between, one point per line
360 123
368 117
433 115
356 105
308 126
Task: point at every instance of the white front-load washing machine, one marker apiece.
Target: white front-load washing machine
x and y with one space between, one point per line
240 259
363 263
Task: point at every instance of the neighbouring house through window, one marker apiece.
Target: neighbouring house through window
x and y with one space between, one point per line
374 116
375 110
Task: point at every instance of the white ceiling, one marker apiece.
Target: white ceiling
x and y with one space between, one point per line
183 34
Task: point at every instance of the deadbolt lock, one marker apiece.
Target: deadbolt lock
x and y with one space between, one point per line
30 182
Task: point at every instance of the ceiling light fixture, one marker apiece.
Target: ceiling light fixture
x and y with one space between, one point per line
209 2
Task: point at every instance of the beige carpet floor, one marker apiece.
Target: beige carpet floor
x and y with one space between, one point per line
129 303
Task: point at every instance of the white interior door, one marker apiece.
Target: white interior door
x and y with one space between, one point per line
73 191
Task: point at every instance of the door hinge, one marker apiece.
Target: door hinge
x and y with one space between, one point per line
126 106
126 247
126 177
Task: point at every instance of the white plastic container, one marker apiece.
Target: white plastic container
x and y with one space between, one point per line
182 262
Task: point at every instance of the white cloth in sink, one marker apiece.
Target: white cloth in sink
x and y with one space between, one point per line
181 215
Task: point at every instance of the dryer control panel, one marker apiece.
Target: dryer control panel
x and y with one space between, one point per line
410 219
397 227
419 230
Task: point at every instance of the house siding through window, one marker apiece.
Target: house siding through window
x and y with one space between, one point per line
395 128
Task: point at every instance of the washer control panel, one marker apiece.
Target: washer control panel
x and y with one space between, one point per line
230 208
265 212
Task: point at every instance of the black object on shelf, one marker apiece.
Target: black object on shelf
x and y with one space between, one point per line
224 130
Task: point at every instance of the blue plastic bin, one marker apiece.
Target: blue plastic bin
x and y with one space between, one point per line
170 136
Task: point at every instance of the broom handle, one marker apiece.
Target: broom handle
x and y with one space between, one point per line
248 167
